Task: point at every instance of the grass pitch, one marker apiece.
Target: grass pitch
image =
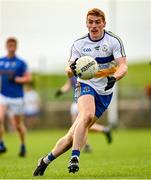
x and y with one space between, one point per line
129 156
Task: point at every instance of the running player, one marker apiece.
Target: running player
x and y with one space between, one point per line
71 84
94 95
13 74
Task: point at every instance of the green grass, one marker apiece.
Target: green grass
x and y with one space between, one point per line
128 157
134 83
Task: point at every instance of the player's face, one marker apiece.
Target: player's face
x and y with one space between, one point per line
95 26
11 47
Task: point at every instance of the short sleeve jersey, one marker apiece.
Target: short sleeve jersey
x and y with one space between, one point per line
11 67
105 51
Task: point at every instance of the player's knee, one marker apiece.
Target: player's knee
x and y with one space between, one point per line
88 118
18 127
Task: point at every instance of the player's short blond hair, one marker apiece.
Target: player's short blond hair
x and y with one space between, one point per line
96 12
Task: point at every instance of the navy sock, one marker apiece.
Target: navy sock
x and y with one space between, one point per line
2 144
75 153
51 157
23 147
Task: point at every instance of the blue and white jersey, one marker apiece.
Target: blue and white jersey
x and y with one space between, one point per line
11 67
106 51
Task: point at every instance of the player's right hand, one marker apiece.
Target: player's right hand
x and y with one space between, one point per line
69 72
73 67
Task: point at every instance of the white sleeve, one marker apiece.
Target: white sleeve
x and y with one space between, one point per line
118 49
74 54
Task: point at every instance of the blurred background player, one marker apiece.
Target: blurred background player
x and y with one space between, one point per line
32 105
148 93
13 73
71 84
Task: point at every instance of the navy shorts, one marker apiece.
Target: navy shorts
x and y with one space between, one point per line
101 101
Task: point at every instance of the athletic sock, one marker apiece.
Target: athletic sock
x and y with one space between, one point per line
2 145
106 129
23 147
49 158
75 153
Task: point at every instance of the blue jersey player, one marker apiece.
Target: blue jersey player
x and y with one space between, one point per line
13 74
94 95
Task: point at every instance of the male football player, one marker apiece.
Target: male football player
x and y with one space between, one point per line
93 95
13 73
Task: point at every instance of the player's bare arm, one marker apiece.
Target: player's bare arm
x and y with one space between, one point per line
66 87
120 72
24 79
121 68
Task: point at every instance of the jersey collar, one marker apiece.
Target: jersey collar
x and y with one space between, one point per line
12 58
98 39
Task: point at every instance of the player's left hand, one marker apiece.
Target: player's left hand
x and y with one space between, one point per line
110 83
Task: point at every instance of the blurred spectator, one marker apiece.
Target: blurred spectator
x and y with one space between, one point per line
32 106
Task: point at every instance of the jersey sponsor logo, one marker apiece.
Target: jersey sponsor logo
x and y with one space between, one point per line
97 47
86 89
105 48
87 50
